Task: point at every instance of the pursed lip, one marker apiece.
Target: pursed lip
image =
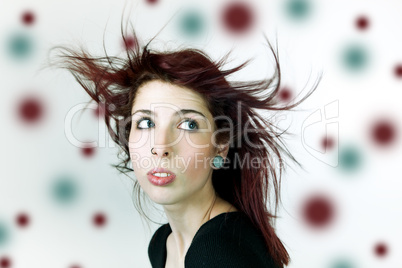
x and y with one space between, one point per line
160 181
160 170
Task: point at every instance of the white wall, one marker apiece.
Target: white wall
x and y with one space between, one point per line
366 200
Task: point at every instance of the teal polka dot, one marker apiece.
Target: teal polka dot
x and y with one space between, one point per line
65 190
342 264
298 9
4 234
20 46
349 159
355 58
192 24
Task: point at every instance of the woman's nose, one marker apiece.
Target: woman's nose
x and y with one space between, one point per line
163 142
160 151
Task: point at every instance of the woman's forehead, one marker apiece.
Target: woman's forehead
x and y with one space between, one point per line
158 93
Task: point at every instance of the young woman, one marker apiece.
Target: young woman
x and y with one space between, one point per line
198 147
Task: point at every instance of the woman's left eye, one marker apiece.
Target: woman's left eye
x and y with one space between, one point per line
189 124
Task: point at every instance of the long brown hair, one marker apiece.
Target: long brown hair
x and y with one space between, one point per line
112 82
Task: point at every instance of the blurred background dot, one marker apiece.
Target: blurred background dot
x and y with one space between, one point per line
130 43
151 1
20 46
398 71
318 211
383 132
22 220
285 94
100 111
355 58
349 159
298 9
5 262
381 249
327 143
65 190
342 264
28 18
99 219
4 234
75 266
238 17
88 151
362 23
31 109
191 23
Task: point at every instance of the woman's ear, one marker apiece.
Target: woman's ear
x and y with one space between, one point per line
223 150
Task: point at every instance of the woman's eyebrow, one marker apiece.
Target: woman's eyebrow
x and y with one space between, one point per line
182 111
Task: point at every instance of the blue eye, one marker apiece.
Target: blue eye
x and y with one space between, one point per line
144 123
190 124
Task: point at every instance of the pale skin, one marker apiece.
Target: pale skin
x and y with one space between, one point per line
190 200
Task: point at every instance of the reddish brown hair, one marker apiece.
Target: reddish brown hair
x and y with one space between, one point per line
112 82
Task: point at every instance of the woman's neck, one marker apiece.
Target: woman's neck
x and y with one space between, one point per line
186 222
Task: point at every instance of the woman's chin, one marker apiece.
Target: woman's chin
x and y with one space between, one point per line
161 198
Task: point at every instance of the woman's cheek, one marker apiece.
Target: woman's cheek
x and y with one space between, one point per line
135 159
200 162
196 149
138 139
198 141
141 164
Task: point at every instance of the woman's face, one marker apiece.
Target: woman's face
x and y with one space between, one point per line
175 121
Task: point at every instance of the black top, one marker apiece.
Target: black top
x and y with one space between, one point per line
227 240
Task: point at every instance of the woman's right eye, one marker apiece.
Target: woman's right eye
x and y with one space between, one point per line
145 123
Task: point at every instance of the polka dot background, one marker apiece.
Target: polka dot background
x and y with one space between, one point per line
63 205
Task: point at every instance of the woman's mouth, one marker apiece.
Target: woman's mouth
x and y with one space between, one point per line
160 176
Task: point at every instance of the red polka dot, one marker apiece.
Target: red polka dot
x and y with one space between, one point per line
238 17
381 249
100 111
152 1
5 262
97 111
362 23
130 43
383 133
22 220
88 151
99 219
398 71
285 94
318 211
31 110
75 266
28 18
327 143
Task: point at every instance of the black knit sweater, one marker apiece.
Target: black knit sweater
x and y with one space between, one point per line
227 240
